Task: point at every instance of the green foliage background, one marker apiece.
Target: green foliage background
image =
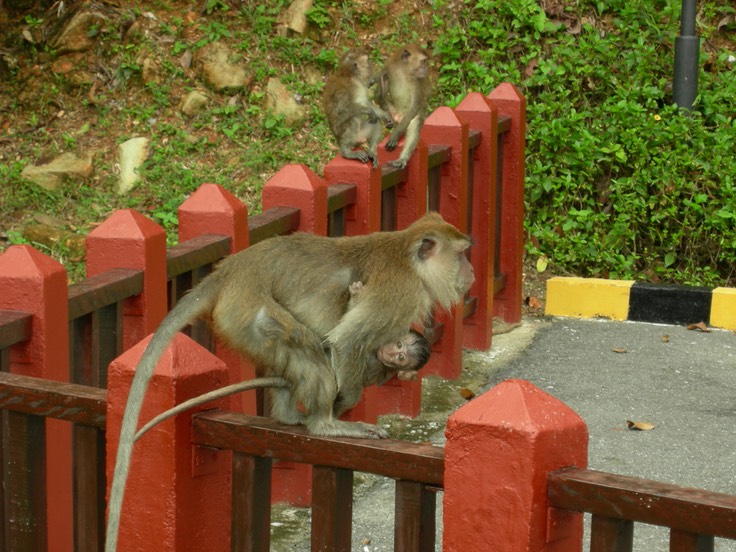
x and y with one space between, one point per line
619 182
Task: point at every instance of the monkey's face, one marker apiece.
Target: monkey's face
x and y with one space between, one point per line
408 353
396 356
416 61
362 68
421 68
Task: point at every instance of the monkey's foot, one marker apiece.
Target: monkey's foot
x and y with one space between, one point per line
360 155
338 428
398 163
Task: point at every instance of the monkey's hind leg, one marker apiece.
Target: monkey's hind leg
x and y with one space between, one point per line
411 138
283 407
376 133
363 156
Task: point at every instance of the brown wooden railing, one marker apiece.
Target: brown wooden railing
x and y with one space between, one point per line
417 469
694 516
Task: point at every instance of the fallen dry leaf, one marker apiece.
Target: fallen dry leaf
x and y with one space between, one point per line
640 426
619 350
533 302
700 326
466 393
542 263
665 339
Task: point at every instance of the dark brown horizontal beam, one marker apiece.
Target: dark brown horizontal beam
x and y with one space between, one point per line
641 500
277 221
195 253
473 139
504 123
258 436
15 327
53 399
105 289
439 154
340 196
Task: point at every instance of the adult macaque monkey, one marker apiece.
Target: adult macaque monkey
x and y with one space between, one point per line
300 283
351 115
402 358
404 89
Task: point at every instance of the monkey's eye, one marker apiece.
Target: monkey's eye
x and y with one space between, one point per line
402 357
399 344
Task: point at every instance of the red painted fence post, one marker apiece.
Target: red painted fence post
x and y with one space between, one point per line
298 186
500 448
397 396
127 239
362 218
509 101
214 210
32 282
412 194
445 127
177 495
365 216
482 116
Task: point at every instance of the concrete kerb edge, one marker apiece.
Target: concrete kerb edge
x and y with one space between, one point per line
641 302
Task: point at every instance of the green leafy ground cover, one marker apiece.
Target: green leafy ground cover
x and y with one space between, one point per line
619 183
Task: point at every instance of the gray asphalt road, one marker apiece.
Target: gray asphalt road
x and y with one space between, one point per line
682 381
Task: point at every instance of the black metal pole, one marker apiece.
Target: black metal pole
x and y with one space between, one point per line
687 47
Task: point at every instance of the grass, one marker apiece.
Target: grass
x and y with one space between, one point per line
619 183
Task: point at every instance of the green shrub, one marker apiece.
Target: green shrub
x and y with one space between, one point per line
619 182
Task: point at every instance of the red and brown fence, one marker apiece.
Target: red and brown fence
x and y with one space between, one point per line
62 405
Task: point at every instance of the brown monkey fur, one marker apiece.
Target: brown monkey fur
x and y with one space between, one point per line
351 115
296 287
403 358
404 90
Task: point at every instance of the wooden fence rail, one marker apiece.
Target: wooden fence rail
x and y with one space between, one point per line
694 516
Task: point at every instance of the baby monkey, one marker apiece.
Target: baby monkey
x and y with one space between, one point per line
401 358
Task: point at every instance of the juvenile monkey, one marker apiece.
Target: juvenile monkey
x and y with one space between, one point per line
351 115
404 90
301 282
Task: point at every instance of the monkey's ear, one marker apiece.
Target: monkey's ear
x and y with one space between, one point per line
406 54
426 249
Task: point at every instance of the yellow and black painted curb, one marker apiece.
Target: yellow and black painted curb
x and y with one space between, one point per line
641 302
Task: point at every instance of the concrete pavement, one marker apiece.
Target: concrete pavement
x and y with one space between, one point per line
682 381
